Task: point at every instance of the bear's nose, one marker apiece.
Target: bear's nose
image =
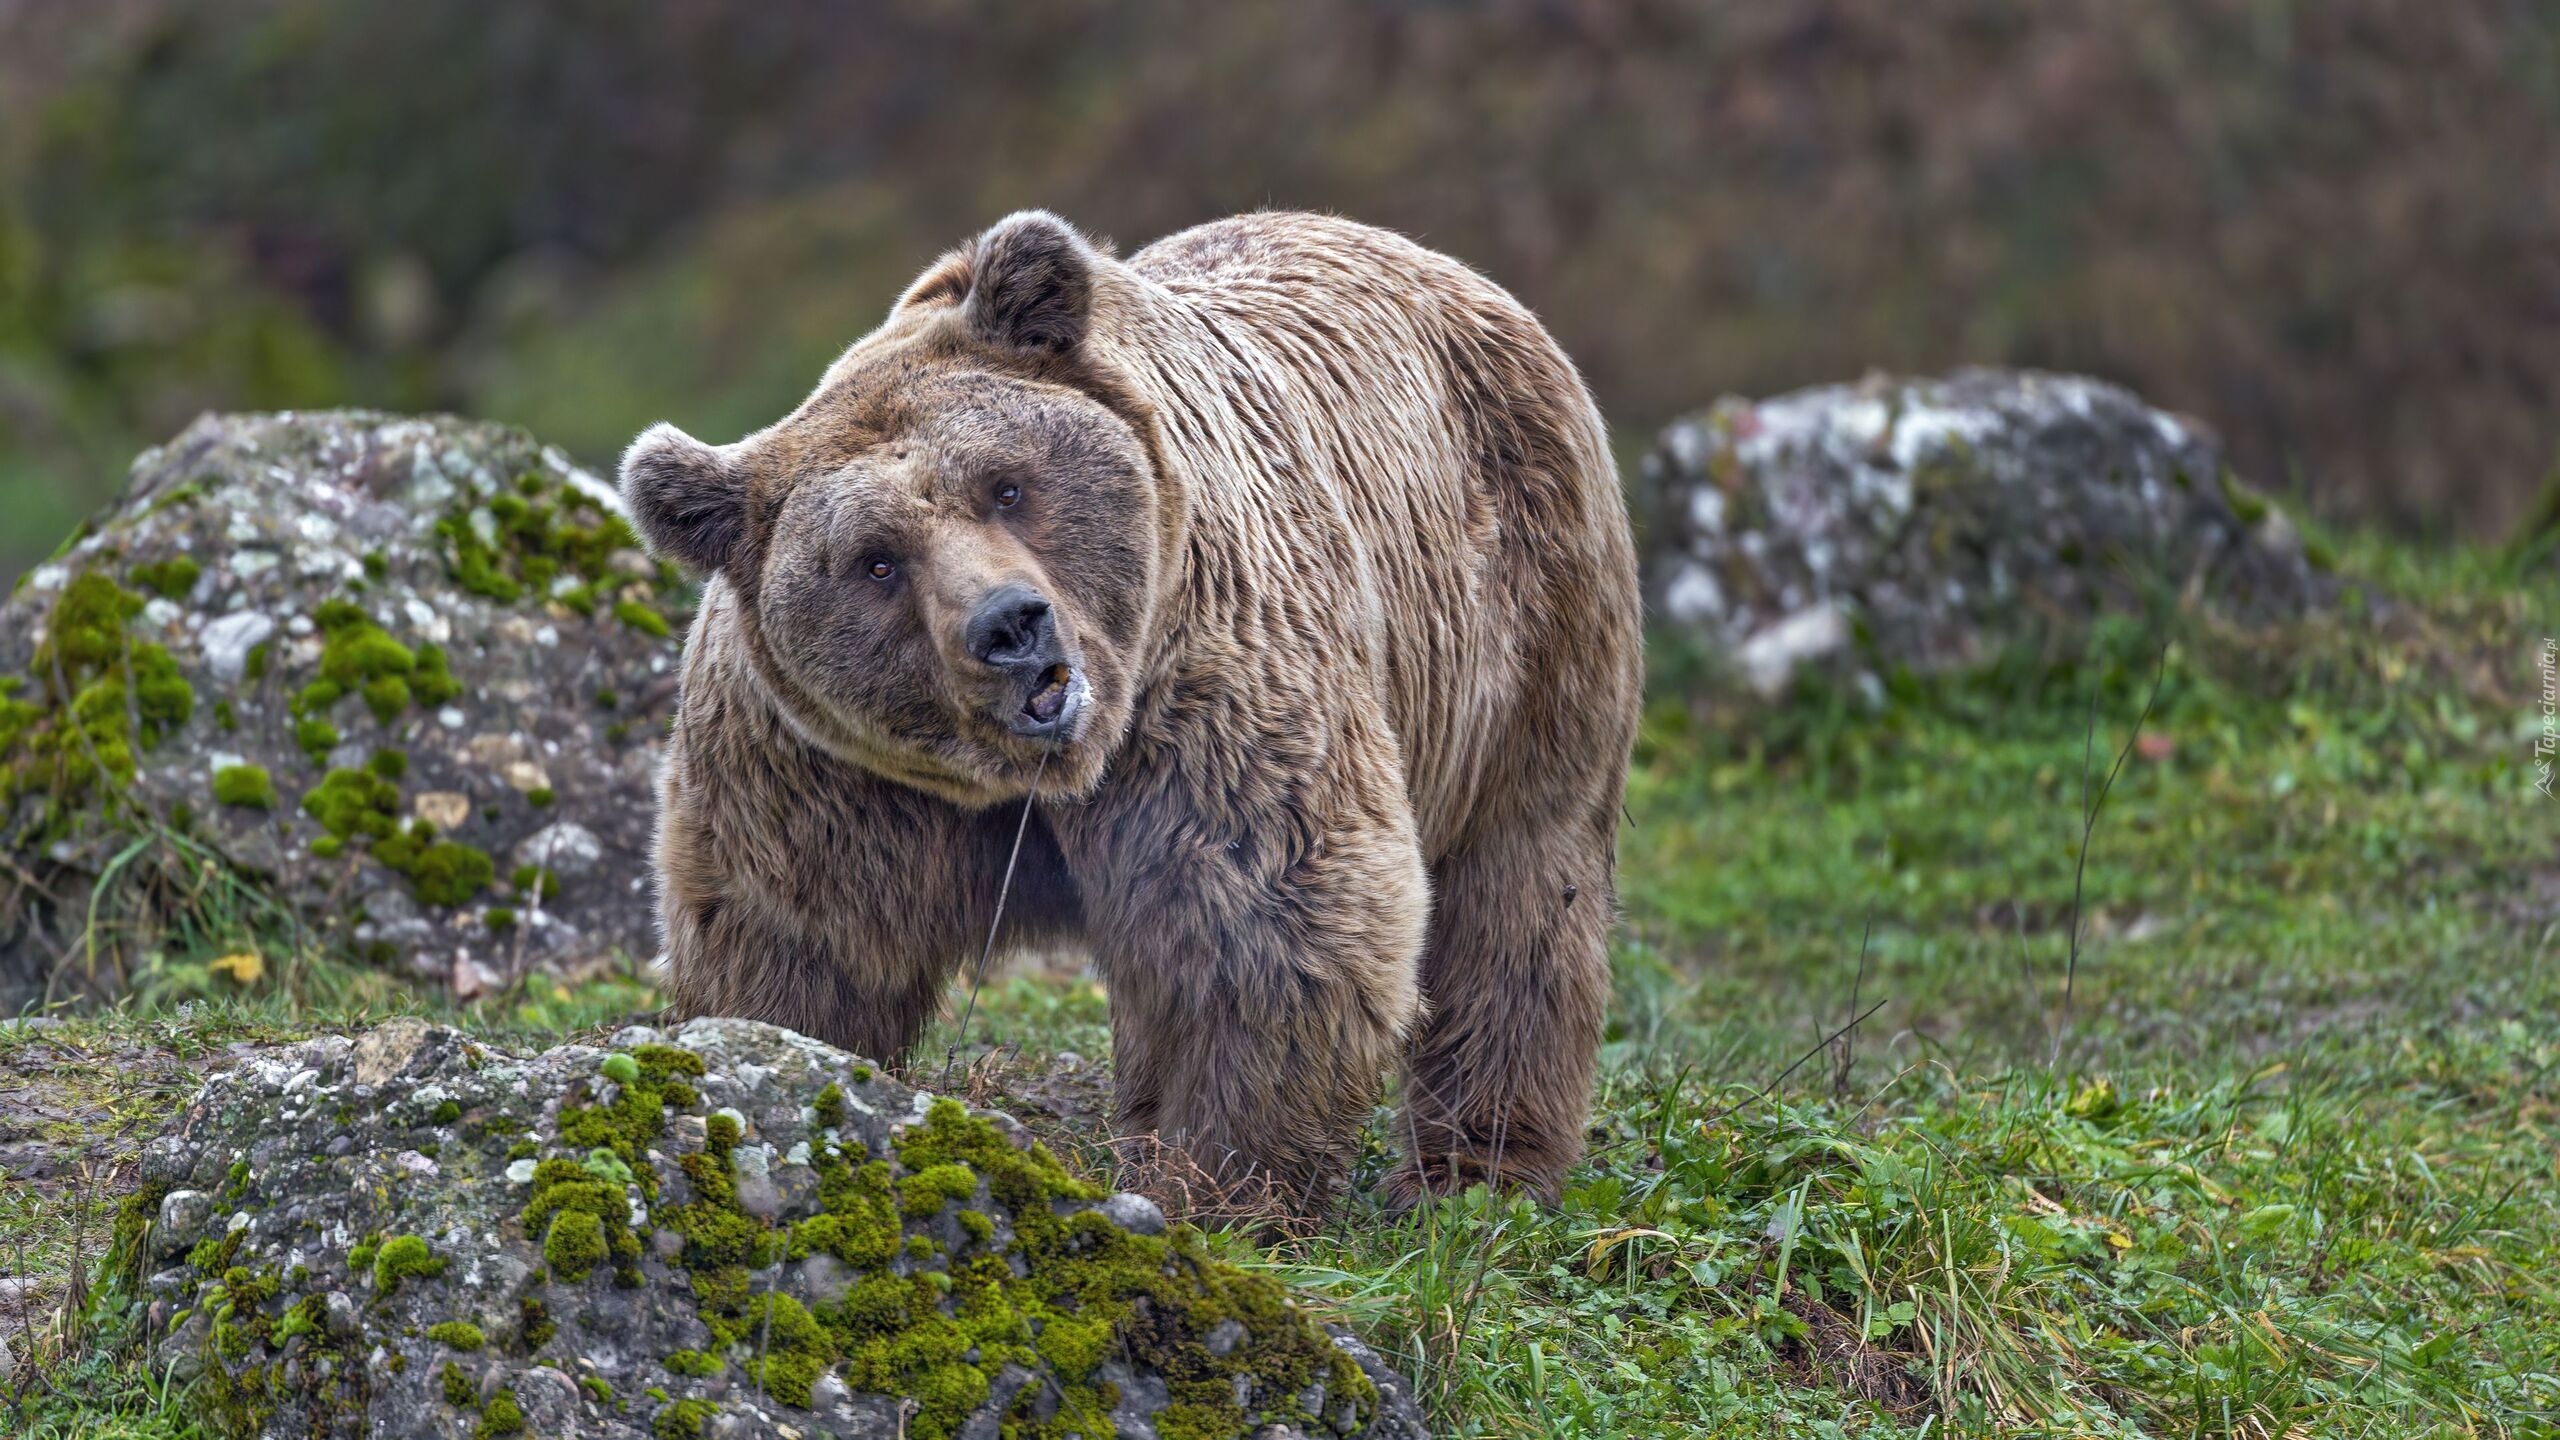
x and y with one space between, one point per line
1011 627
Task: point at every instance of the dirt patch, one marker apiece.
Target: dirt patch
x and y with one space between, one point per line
1833 1354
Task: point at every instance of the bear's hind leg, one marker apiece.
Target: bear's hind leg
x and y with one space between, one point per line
1515 985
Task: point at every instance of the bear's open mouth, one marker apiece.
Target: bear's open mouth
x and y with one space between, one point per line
1049 701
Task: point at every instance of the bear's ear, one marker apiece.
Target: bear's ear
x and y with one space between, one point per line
1031 284
688 501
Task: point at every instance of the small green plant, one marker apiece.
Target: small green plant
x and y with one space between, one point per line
500 1417
640 617
246 787
170 579
403 1257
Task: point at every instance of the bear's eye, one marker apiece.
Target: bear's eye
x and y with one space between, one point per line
879 568
1008 495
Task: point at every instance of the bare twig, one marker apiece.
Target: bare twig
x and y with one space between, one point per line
2088 827
1765 1091
1003 893
1845 1055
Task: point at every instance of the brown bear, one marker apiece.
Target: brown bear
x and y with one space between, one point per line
1285 566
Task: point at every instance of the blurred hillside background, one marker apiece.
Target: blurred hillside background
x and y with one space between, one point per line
2331 228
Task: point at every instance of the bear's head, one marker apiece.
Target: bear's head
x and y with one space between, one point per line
943 565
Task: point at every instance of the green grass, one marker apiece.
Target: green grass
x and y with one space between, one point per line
2284 1166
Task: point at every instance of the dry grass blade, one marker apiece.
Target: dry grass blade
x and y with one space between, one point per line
995 923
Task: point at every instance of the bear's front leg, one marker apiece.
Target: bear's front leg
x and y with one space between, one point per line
796 889
1262 950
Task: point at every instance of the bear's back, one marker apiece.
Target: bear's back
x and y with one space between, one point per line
1433 453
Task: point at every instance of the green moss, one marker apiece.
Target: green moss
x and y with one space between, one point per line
694 1363
458 1391
386 696
501 1416
85 630
595 1388
620 1068
526 877
441 872
224 716
540 798
922 1194
1192 1420
432 682
2248 505
616 733
574 1245
307 1317
524 1149
682 1419
534 1325
352 803
402 1257
127 1244
171 579
358 657
247 787
317 737
328 847
253 666
360 1256
526 543
212 1255
1088 1291
100 697
829 1106
175 496
448 1112
501 918
641 618
606 1166
616 1137
377 566
388 764
459 1334
794 1350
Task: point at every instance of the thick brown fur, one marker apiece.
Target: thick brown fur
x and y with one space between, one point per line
1330 536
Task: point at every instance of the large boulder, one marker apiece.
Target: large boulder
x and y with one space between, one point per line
726 1231
396 681
1929 523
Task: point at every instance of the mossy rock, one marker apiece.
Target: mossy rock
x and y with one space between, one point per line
1919 525
726 1230
352 660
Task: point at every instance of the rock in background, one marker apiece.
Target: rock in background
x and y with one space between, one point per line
721 1232
1928 523
404 676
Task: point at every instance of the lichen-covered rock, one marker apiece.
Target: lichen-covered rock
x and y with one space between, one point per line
1927 523
727 1231
406 674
